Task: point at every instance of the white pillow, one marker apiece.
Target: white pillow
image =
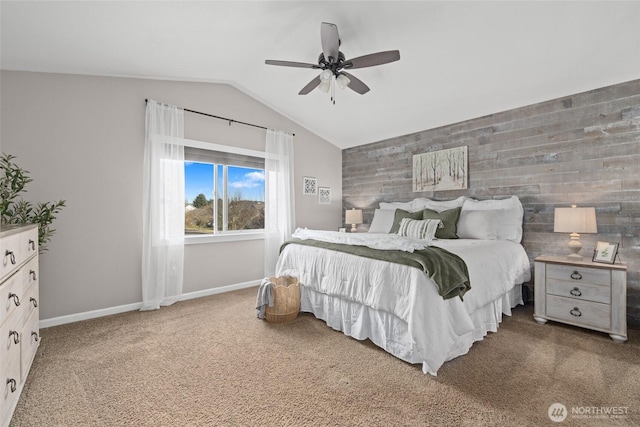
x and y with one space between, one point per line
405 206
421 203
438 205
424 229
480 224
382 221
510 227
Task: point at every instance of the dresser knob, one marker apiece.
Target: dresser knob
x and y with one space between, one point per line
13 384
575 292
32 243
575 312
35 335
16 336
16 299
33 301
33 275
576 276
11 256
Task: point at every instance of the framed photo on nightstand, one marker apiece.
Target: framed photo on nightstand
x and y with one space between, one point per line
605 252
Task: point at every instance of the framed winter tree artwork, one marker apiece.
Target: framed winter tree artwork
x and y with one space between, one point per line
440 170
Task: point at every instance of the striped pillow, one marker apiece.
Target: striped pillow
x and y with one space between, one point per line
419 229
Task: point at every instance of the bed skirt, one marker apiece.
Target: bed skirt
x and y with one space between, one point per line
390 333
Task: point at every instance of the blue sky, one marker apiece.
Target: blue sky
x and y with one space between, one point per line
198 179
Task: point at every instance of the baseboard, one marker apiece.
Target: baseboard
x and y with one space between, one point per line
78 317
220 290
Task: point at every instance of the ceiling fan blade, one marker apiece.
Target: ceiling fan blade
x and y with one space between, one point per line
372 59
291 64
356 84
310 86
330 41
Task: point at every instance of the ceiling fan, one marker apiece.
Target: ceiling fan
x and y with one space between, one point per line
332 62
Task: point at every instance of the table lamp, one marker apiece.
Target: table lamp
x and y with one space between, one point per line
575 220
353 217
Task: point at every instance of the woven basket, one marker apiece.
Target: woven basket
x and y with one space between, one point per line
286 300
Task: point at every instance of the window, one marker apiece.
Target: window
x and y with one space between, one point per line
224 192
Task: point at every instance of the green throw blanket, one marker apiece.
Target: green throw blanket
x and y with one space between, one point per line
447 270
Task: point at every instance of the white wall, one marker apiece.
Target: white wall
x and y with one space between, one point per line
82 139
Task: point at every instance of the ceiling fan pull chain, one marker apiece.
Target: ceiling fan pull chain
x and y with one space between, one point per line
333 89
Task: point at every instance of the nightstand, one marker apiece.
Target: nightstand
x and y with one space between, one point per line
582 293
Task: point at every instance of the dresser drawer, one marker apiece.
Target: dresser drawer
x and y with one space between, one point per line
29 342
9 255
11 296
30 273
30 303
28 243
579 291
580 313
579 274
10 386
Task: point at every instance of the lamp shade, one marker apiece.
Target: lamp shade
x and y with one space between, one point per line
575 220
353 216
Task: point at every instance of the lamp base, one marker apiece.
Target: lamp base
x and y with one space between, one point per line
574 246
353 228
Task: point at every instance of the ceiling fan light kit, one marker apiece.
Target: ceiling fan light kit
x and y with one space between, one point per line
343 81
332 62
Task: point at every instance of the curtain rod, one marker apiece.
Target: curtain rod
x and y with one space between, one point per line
224 118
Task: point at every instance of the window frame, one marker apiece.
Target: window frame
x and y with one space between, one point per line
225 235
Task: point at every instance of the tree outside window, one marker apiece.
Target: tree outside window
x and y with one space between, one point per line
235 198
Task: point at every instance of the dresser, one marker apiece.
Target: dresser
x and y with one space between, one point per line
582 293
19 334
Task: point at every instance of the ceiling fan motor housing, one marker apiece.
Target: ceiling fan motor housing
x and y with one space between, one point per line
335 66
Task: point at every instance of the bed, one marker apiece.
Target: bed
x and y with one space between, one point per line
397 306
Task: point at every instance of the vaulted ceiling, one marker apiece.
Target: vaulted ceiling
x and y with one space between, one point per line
459 60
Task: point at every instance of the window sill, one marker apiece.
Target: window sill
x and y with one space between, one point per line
225 237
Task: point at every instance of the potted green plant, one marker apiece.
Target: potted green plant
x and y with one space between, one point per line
13 180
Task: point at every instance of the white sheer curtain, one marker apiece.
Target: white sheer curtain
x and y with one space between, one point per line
163 206
279 200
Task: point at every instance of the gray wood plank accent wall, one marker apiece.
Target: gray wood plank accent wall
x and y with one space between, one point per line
582 149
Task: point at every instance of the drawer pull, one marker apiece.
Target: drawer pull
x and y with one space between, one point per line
32 243
35 335
11 256
33 275
575 312
575 292
16 299
33 301
16 336
13 384
576 276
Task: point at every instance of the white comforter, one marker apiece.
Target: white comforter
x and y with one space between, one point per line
382 241
435 325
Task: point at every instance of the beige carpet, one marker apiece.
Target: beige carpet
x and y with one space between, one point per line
211 362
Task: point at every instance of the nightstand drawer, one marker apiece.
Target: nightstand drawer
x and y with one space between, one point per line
581 313
579 274
579 291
